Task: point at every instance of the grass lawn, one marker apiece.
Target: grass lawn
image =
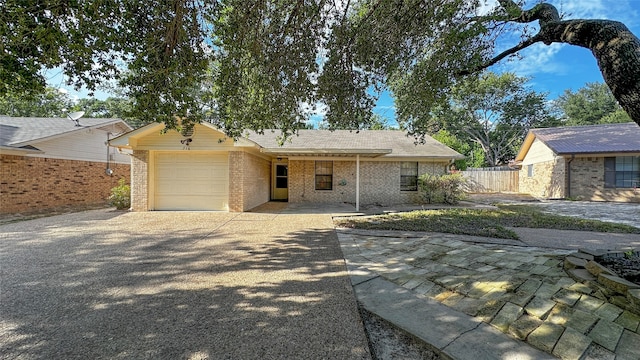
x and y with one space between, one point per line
481 222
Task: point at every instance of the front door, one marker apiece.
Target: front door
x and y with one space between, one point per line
281 182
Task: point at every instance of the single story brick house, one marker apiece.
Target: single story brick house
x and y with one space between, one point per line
48 163
596 162
209 171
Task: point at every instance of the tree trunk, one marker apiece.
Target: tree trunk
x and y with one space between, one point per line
615 48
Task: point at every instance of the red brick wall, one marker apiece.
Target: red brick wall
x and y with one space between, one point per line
30 184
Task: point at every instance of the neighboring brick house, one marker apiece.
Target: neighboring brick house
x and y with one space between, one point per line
208 171
596 162
48 163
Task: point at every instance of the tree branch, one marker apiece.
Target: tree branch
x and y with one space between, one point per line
504 54
511 8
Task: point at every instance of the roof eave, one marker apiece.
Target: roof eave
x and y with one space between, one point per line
10 150
325 152
592 153
526 145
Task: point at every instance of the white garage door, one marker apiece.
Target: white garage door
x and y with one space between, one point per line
191 181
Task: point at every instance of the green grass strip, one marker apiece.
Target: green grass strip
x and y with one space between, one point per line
481 222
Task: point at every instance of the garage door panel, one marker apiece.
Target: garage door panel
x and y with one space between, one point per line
201 187
191 181
190 202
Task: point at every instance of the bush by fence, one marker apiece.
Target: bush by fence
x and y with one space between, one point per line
442 189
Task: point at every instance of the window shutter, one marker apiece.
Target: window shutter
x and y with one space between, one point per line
609 172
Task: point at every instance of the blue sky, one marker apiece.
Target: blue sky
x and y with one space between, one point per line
557 67
552 69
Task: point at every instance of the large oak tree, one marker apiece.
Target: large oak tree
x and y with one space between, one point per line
257 64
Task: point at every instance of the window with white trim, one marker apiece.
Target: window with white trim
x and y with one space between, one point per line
622 172
324 175
408 176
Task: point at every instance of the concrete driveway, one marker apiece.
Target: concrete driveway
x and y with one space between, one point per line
176 285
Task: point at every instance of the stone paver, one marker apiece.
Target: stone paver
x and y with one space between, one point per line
520 291
546 336
581 320
572 345
629 320
539 307
609 312
629 346
607 334
507 315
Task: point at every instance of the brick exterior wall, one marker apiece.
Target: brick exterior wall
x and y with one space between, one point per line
140 180
548 180
379 182
36 184
249 181
587 182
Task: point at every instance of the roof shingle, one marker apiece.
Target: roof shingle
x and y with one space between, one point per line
591 139
399 142
17 131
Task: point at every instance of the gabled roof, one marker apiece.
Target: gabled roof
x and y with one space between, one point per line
21 132
373 143
588 139
367 143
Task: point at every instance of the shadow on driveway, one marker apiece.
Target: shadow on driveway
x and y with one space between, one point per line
101 284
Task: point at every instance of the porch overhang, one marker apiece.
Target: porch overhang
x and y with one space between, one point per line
286 152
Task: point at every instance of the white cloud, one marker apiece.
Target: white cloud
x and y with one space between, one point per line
538 58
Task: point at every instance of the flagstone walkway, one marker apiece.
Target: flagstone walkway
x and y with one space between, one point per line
520 290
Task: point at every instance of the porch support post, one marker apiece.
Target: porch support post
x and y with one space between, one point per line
358 182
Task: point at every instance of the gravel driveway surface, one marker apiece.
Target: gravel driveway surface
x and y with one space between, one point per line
176 285
621 213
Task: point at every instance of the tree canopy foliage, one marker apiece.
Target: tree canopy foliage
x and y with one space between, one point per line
54 103
49 103
592 104
493 111
257 64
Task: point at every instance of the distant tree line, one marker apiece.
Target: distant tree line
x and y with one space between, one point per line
485 118
56 103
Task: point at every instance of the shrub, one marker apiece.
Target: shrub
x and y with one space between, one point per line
442 189
120 196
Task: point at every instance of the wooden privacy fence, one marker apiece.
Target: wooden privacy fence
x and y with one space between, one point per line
491 180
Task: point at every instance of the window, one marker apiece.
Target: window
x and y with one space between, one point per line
622 172
530 170
324 175
408 176
281 177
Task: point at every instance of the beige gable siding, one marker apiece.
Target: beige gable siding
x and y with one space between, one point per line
84 145
203 138
539 152
379 182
